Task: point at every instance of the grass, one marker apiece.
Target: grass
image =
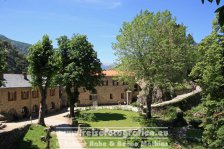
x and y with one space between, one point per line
116 119
113 118
120 118
32 139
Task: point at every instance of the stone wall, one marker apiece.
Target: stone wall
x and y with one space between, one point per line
10 139
16 106
184 104
104 94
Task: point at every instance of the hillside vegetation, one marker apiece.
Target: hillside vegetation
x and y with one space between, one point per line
20 46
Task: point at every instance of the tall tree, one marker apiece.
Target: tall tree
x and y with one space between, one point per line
209 74
42 68
155 49
3 54
80 66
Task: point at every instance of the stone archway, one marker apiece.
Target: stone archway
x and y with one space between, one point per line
25 112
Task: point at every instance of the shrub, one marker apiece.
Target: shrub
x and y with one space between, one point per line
89 117
135 104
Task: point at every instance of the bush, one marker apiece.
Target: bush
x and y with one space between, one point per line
135 104
89 117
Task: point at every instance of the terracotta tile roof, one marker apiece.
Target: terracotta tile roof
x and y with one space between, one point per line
110 73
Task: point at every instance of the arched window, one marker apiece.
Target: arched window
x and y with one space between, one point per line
25 111
111 96
35 108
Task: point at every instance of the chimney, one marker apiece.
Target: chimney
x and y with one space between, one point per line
25 75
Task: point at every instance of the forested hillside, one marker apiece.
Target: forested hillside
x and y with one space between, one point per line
20 46
16 61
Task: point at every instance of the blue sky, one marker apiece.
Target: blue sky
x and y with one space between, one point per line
100 20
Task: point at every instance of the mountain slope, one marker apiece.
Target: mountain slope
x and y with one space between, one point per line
20 46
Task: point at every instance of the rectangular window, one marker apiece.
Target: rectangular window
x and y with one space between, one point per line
105 83
52 92
35 94
11 96
90 97
122 95
115 83
24 94
111 96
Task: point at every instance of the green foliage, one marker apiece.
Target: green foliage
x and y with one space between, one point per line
214 125
89 117
209 74
135 104
79 66
118 119
3 53
32 139
16 62
19 46
155 49
43 65
182 86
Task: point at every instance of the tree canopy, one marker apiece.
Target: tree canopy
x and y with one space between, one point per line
42 68
3 55
155 49
209 74
79 65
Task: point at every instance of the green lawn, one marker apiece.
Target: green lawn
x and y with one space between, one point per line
113 118
32 139
121 118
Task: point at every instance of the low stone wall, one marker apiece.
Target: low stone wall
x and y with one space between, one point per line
10 139
184 91
185 104
116 107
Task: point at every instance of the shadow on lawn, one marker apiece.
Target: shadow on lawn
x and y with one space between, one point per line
27 144
109 116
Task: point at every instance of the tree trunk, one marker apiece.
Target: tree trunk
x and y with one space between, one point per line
149 102
72 112
73 98
42 107
71 103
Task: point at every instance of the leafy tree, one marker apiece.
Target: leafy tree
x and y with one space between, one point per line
42 68
80 66
209 74
155 50
3 55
